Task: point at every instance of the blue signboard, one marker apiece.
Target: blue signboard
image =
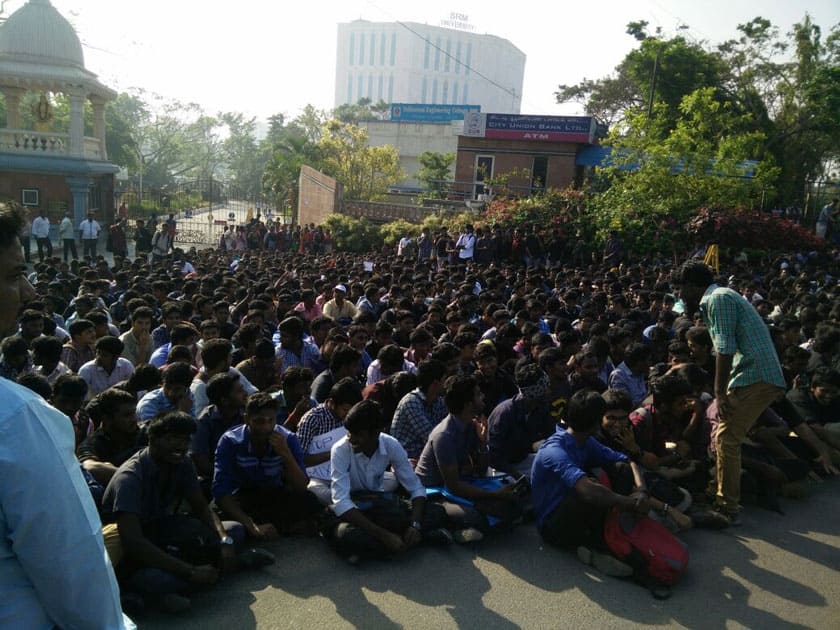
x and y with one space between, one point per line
421 112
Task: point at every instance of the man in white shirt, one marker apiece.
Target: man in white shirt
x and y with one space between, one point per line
54 571
67 237
108 368
371 522
466 244
41 232
89 230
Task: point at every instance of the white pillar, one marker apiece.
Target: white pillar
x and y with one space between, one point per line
13 96
99 125
77 123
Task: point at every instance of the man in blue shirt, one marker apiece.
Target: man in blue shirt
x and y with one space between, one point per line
173 394
259 477
54 571
570 504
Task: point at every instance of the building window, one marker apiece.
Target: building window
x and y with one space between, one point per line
538 173
455 93
29 197
469 59
360 88
381 86
434 92
426 54
382 50
458 58
483 172
437 54
391 89
393 48
349 88
370 87
445 92
372 48
448 55
352 48
361 50
425 90
464 96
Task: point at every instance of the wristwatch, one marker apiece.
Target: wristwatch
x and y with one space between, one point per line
416 525
227 540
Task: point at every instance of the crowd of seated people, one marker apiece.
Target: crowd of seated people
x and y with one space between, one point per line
383 403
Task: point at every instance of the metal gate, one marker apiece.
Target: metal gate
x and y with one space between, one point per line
202 208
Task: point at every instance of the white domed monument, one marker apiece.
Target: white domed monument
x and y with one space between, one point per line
42 165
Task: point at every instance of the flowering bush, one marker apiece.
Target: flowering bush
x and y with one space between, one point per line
744 229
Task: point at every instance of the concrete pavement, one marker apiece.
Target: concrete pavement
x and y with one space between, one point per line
774 572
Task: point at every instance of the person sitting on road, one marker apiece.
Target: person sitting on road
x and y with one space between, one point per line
117 437
370 521
168 555
226 410
570 503
108 368
420 411
455 454
517 427
259 477
323 426
173 394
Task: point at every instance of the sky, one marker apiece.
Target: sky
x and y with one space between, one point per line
243 56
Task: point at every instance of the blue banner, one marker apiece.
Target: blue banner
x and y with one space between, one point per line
421 112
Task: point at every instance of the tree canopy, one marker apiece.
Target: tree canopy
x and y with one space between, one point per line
779 91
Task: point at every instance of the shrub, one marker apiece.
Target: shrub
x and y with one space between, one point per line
351 234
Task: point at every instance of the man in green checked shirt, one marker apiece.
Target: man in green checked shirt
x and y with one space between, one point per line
748 373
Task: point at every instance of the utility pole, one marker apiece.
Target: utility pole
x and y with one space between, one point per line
653 81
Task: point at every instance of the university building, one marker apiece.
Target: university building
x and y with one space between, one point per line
417 63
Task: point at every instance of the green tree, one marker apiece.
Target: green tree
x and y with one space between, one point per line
436 168
659 174
365 172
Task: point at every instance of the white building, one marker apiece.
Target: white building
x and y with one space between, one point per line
418 63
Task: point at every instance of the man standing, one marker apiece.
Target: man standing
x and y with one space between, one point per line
142 239
50 560
89 230
825 221
748 375
41 232
67 237
162 242
466 244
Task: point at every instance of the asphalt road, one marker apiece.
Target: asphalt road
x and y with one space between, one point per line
774 572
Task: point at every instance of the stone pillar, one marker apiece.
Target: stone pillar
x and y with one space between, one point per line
77 123
80 189
13 96
99 125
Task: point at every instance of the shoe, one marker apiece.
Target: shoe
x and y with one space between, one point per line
255 558
709 519
438 536
175 604
604 562
132 604
734 518
468 535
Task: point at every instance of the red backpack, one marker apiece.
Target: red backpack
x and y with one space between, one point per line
646 545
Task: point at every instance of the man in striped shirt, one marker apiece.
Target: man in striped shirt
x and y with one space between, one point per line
748 374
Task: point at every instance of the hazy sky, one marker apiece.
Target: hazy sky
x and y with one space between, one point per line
266 56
